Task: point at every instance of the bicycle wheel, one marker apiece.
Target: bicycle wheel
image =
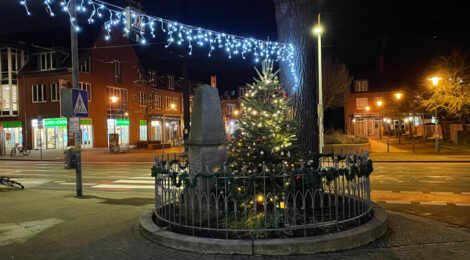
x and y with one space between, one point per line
13 184
13 152
25 152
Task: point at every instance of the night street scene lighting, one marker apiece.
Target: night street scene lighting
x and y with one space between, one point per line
176 129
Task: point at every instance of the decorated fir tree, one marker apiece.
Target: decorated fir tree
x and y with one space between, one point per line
266 133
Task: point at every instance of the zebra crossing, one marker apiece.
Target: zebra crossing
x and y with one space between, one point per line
138 183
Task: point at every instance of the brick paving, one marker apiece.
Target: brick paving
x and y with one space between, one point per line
51 224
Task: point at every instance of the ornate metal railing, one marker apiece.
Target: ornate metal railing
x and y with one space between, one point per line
293 202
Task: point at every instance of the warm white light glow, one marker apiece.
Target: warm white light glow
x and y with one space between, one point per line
318 29
114 99
435 80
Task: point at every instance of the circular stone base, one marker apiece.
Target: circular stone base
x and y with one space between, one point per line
342 240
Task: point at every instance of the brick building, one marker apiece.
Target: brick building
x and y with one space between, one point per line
139 103
230 102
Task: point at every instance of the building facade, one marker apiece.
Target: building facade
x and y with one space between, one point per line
139 104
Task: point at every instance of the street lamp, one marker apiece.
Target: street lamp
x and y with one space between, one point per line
379 104
318 30
173 106
435 82
398 97
114 100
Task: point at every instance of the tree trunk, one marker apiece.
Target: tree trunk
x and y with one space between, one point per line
295 19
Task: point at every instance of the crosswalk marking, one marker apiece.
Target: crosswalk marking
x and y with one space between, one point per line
397 202
387 191
434 203
73 183
135 181
144 178
413 192
442 192
463 204
123 186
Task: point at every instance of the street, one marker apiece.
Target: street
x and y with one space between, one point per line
439 191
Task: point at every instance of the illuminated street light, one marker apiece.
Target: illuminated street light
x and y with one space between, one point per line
318 30
172 106
379 104
435 82
367 108
398 95
235 112
114 99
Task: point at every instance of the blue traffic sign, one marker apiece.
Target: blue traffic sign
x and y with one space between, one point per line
80 103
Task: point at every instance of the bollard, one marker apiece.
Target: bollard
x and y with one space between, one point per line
78 171
388 145
413 145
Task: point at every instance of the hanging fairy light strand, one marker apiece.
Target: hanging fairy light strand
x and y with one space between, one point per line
179 34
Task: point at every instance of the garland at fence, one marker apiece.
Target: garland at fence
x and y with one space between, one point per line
311 180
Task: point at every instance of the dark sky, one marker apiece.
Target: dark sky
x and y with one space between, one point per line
406 33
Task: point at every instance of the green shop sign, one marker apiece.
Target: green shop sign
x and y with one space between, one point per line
143 122
122 121
85 121
11 124
55 122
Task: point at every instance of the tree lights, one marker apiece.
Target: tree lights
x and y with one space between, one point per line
176 33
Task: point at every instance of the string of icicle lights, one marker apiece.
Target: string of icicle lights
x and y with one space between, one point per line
176 33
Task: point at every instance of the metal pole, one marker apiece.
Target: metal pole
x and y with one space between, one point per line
320 95
186 97
74 52
437 131
388 145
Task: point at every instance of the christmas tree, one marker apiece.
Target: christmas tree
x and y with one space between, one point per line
266 133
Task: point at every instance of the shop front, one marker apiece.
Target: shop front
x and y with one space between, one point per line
86 125
143 130
172 130
156 130
12 134
121 127
53 134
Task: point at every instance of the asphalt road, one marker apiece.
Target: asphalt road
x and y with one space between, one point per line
439 191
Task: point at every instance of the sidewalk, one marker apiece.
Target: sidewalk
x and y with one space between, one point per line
98 155
51 224
424 152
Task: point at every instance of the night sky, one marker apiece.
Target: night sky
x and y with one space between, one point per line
406 33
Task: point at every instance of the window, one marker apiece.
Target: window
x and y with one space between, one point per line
157 102
87 87
85 66
117 71
39 93
55 94
361 85
168 103
142 98
241 92
143 130
229 108
47 61
171 82
361 103
153 78
121 105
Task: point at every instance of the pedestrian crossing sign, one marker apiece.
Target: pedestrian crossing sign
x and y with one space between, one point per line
80 103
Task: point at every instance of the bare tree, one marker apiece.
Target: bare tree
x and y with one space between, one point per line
452 92
295 19
336 83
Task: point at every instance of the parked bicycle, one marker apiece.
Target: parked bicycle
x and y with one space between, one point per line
11 183
19 149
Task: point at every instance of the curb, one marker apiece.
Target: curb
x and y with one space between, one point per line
343 240
421 161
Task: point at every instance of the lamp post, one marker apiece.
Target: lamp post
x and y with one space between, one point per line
318 30
435 82
398 97
114 100
379 105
